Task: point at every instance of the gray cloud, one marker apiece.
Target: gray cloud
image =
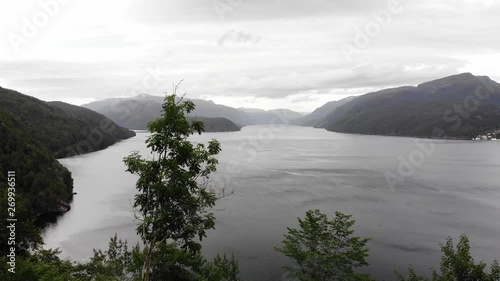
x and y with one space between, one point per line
282 51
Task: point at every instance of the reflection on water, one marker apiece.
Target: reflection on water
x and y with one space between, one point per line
278 177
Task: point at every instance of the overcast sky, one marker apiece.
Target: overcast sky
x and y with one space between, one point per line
295 54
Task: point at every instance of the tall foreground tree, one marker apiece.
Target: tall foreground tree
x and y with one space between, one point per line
174 200
325 249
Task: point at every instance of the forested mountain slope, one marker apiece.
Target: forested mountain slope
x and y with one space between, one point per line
64 129
39 178
460 106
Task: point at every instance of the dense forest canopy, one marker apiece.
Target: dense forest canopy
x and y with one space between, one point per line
42 184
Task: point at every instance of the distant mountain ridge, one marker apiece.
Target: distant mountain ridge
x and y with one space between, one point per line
450 107
317 117
136 112
64 129
279 115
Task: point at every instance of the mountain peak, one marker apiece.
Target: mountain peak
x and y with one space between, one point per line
453 79
144 96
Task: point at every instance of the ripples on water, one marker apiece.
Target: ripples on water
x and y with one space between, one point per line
456 190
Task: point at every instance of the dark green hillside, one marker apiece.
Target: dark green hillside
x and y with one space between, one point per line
39 176
65 129
444 108
214 124
42 184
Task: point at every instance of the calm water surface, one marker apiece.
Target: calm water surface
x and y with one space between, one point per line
279 174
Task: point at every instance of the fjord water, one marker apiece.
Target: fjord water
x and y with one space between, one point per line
278 174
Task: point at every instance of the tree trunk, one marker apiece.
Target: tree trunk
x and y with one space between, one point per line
147 263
